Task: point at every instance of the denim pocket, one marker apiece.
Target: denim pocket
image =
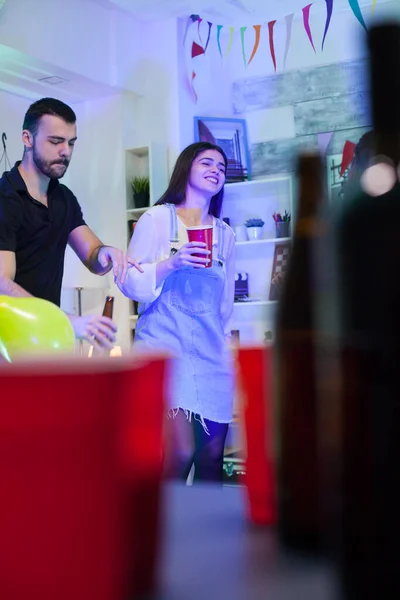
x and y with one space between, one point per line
194 292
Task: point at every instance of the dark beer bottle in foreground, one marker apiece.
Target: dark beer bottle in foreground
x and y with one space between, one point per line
299 519
368 243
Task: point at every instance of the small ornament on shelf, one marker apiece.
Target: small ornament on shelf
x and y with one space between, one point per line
241 286
282 224
254 228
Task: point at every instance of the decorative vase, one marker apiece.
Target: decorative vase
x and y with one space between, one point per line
254 233
141 200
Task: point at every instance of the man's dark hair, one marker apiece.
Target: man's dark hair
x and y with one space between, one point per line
47 106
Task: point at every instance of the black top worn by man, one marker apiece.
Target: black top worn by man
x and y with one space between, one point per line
39 217
37 234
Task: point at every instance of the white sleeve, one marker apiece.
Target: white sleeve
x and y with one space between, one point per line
145 247
229 291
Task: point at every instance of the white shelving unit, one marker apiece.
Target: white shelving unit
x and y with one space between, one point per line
146 161
135 213
244 200
256 303
263 241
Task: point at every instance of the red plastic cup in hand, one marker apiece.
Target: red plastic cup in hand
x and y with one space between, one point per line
202 233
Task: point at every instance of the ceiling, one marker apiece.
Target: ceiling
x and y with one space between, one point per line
25 76
226 10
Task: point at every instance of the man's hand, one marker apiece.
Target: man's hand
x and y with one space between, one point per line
99 331
120 261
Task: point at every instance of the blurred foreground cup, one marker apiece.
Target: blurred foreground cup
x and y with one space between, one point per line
81 465
255 369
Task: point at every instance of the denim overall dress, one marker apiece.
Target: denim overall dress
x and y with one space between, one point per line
185 320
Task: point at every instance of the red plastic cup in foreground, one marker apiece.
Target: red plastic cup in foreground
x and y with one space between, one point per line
202 233
81 468
256 413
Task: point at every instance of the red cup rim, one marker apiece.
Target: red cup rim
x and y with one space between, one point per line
198 227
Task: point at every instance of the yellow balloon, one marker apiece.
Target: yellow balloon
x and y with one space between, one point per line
32 327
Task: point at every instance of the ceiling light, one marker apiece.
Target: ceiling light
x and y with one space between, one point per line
54 80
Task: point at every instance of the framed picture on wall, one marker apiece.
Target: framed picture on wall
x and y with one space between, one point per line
231 136
338 167
335 181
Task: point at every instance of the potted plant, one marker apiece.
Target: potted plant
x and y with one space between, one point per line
141 191
254 228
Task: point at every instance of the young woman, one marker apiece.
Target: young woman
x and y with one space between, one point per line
186 309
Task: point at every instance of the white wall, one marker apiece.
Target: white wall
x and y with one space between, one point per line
12 111
74 35
157 111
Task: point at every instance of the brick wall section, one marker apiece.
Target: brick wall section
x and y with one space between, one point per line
327 98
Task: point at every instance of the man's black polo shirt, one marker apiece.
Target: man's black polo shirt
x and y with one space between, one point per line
36 234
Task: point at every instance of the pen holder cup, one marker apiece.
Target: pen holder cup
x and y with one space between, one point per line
282 229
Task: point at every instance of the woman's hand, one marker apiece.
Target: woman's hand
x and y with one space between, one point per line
187 256
119 260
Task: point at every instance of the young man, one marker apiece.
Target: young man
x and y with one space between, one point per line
39 217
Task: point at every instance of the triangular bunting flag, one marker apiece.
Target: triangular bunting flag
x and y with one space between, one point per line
329 9
271 42
323 141
355 7
197 50
191 19
306 21
289 23
347 156
242 32
257 29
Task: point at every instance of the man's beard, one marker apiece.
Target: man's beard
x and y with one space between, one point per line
50 169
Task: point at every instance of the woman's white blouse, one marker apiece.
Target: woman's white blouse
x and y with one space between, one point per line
150 244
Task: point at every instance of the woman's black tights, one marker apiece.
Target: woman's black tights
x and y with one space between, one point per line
194 446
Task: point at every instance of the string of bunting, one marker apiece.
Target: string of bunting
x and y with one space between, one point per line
199 49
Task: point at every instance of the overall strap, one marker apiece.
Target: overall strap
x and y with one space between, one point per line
173 228
221 240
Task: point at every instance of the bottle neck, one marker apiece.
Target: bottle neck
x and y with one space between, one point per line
108 307
311 191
